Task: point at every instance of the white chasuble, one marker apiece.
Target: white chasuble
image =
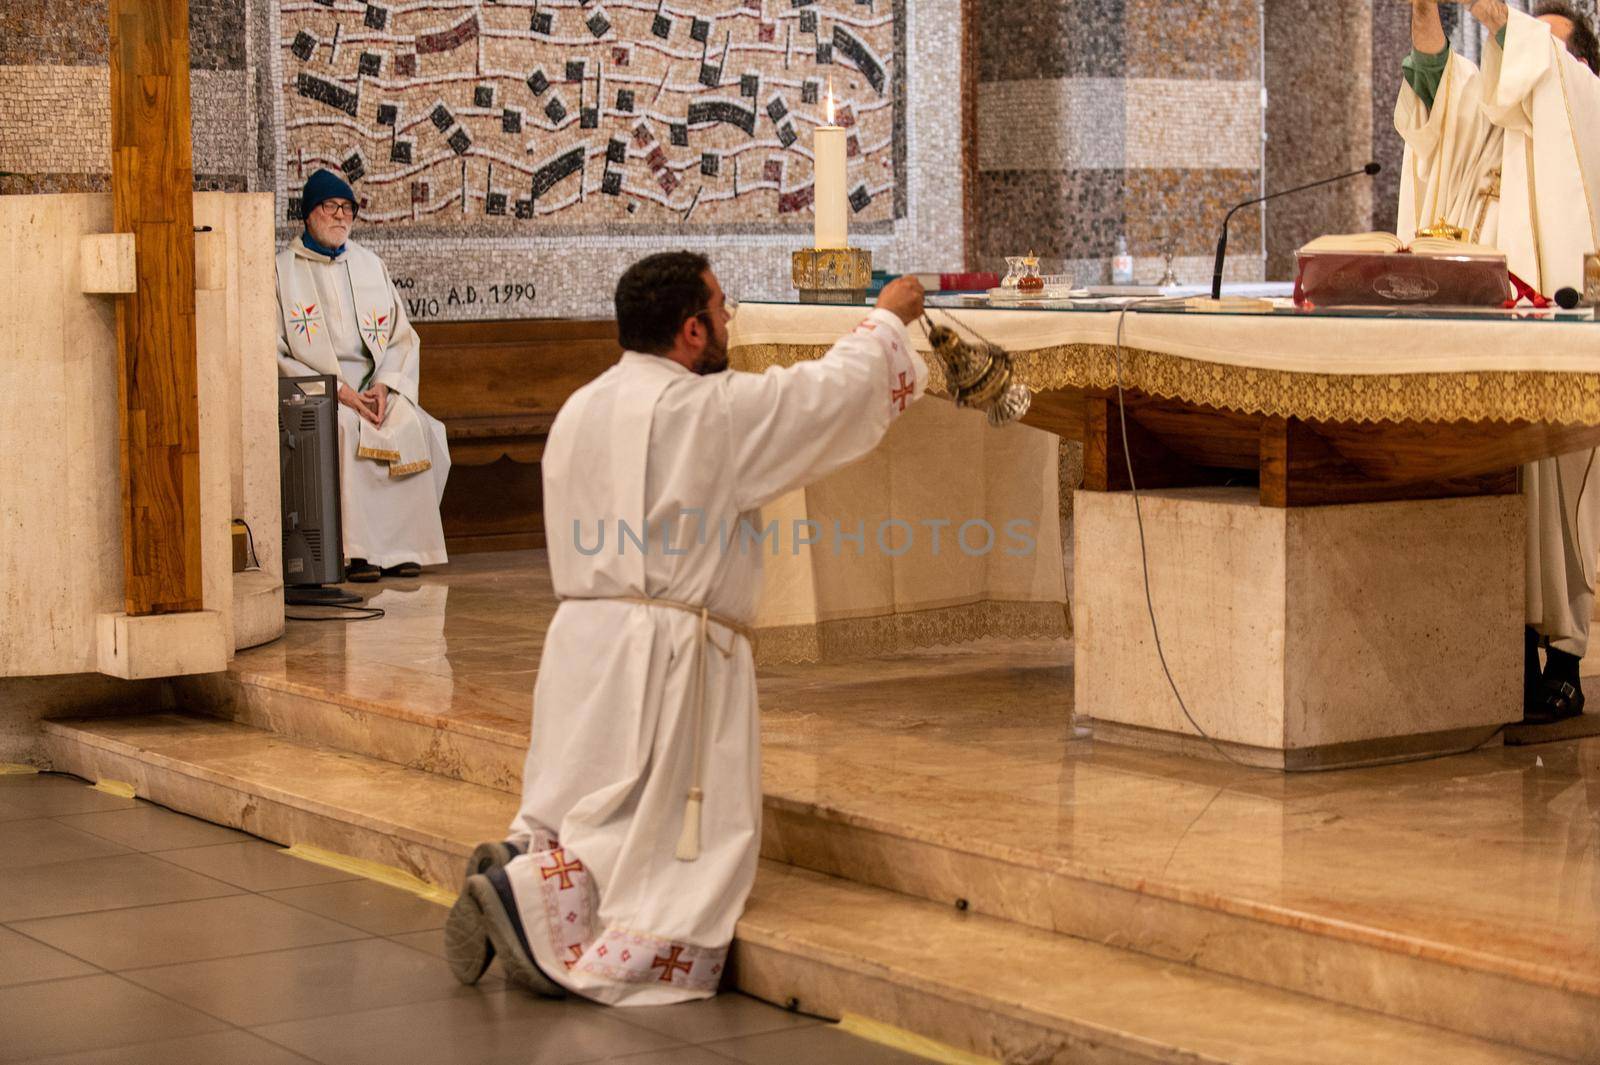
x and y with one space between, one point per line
1511 154
342 317
654 478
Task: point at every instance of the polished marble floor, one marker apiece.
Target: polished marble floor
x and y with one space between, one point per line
1490 859
132 935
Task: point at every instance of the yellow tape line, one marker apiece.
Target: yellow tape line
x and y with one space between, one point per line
14 769
383 874
121 789
911 1043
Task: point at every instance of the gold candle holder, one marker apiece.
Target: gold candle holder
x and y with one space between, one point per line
832 275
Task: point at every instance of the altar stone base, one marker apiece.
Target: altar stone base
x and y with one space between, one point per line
1300 637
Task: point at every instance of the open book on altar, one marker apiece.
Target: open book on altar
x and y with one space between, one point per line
1379 269
1389 244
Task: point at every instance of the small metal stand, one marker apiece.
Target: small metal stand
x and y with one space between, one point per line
832 275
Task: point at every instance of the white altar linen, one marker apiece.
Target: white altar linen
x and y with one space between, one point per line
1314 366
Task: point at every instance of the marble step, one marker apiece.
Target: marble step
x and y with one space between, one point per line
1015 994
980 983
287 791
483 745
903 848
1442 985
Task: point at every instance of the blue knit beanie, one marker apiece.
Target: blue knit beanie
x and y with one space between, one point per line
324 185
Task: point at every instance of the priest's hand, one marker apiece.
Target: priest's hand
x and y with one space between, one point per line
903 296
357 402
377 398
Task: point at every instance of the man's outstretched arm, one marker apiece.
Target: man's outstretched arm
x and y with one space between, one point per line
1493 14
1427 31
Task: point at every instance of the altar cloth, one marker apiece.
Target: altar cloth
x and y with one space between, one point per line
1314 366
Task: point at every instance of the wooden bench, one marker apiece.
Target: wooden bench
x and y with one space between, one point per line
496 386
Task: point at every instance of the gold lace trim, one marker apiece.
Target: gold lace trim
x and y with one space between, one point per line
1501 395
378 453
855 638
403 469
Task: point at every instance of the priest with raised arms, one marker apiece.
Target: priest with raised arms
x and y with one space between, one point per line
339 314
1510 154
635 846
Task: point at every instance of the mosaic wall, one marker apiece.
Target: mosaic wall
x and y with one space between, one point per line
1089 120
618 118
1126 118
55 127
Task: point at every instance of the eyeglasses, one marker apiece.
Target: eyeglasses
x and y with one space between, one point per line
730 307
338 208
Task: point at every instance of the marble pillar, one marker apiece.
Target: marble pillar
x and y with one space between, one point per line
1306 636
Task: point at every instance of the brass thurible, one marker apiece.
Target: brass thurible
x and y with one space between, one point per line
832 275
980 376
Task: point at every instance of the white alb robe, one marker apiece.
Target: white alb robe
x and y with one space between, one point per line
1530 119
343 317
609 911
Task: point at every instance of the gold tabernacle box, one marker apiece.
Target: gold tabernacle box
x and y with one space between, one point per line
832 275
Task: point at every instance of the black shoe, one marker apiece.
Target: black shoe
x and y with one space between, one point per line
1558 699
360 571
404 570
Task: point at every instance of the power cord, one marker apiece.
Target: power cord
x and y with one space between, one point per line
367 613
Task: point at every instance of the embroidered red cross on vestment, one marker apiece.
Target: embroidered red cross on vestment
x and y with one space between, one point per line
562 868
903 392
669 964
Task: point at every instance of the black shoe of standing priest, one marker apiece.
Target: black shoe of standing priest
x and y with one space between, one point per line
1559 693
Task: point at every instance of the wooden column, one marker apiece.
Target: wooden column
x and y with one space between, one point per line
152 186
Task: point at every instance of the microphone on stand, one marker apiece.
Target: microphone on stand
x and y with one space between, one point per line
1222 241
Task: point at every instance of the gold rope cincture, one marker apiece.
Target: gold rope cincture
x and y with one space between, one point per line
689 839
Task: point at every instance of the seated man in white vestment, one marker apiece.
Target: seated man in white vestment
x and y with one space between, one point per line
635 846
1510 154
339 314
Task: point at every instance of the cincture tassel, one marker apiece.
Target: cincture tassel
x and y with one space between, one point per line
689 839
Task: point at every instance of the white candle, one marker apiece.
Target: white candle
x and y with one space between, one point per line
831 208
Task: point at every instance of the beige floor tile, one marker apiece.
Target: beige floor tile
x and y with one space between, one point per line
311 982
675 1056
41 841
89 1013
217 1048
180 932
810 1046
100 884
60 800
25 961
150 828
725 1017
254 865
499 1028
429 942
369 906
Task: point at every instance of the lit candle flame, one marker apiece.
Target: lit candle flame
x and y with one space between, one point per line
830 101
